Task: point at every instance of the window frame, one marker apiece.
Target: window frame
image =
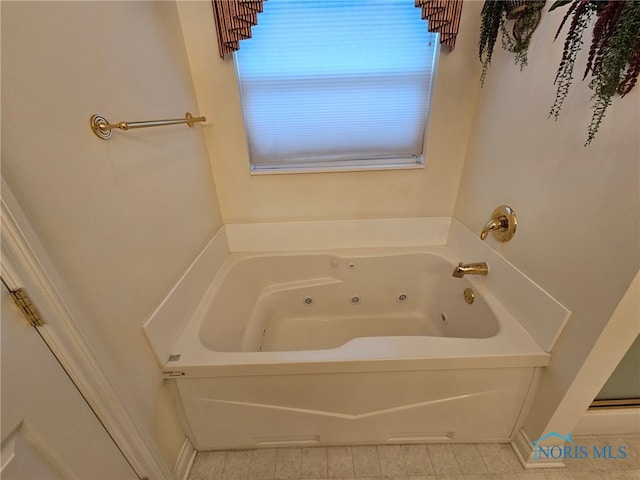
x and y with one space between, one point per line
409 162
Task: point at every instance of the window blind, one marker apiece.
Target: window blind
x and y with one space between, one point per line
338 82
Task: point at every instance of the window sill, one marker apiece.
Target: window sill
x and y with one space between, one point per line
334 167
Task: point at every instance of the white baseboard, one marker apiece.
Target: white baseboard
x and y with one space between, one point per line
184 461
523 449
615 421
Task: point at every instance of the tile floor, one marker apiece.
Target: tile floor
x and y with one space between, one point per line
410 462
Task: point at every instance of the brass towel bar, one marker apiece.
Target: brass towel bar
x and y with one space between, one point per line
102 128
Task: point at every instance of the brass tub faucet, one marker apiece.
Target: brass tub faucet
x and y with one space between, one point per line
463 269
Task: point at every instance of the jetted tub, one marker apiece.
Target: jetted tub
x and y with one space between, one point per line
348 347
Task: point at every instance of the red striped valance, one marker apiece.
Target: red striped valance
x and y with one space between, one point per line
234 19
443 17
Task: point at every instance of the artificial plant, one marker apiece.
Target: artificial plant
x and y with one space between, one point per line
614 54
494 17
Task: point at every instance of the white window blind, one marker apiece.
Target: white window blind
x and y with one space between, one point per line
337 84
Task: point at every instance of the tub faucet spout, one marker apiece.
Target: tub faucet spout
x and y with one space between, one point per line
463 269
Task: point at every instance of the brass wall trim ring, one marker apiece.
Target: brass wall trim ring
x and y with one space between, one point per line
97 123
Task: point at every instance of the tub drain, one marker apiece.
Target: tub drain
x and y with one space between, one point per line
355 299
402 297
308 301
469 295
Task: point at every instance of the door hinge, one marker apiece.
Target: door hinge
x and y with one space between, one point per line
24 303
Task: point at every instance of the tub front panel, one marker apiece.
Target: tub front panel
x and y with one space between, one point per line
355 408
313 302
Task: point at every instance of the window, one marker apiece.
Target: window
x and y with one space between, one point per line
337 84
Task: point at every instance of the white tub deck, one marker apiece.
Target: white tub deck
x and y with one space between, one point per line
364 345
512 347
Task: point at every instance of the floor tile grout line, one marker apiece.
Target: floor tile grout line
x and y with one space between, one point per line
404 460
455 457
426 451
300 469
353 466
483 461
326 454
226 455
275 462
378 458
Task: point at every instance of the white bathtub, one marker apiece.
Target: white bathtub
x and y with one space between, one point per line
348 347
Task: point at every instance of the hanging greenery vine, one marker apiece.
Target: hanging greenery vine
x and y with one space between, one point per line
490 26
614 54
495 14
526 16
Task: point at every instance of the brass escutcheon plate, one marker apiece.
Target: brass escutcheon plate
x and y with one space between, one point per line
507 218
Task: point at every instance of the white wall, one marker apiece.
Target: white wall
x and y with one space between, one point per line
120 219
327 196
578 208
